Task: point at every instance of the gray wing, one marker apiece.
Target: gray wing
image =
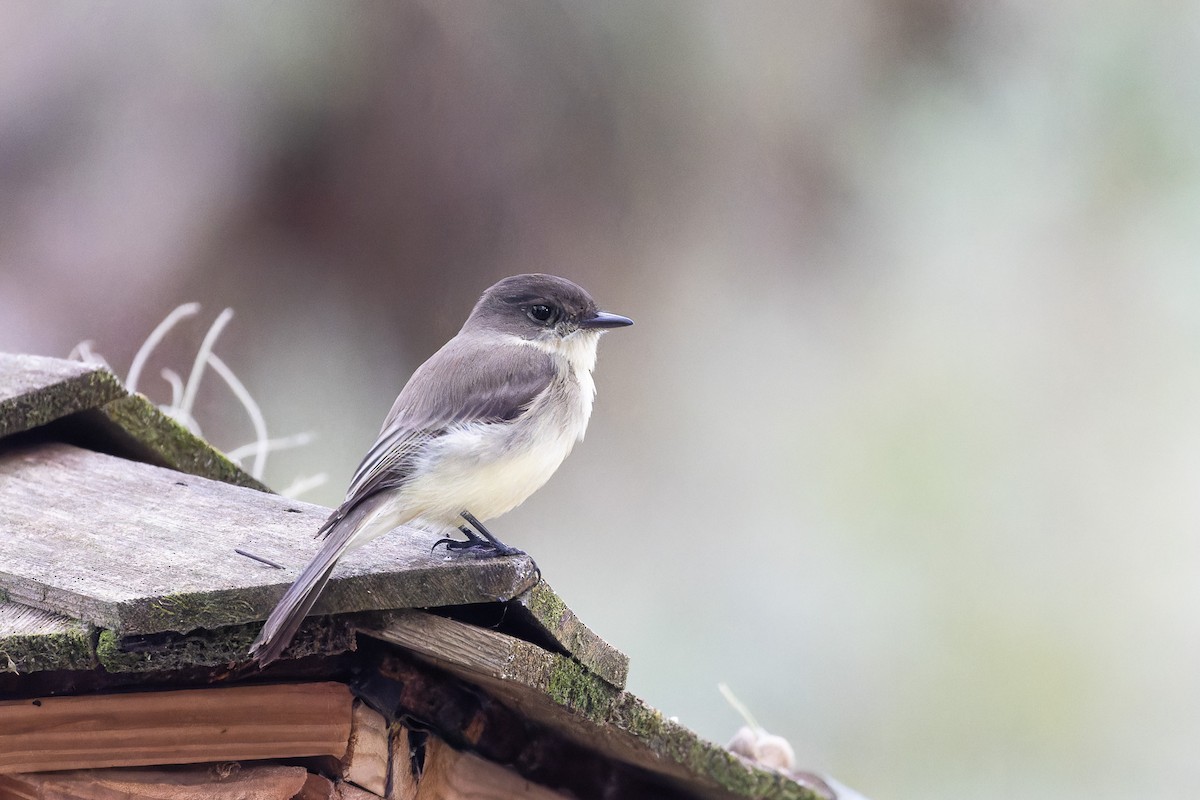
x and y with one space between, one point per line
465 381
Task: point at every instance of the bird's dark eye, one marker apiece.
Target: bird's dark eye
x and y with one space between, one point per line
541 313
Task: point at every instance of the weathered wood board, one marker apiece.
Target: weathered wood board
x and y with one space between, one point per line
547 611
555 691
141 549
32 639
92 403
177 727
35 390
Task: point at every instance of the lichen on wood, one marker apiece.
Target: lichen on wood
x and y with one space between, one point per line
547 611
35 390
161 440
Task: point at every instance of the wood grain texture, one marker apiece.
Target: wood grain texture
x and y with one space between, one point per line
485 655
35 390
212 782
453 775
19 620
366 761
141 549
32 640
403 783
550 691
175 727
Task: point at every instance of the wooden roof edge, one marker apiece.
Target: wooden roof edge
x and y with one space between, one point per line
149 435
562 694
91 404
543 608
552 689
36 390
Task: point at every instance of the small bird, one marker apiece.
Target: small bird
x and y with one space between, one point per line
478 428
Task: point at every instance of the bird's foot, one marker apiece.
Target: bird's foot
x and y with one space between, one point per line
481 546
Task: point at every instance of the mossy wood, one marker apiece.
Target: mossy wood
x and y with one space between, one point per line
87 403
546 610
118 569
141 549
36 390
33 640
561 694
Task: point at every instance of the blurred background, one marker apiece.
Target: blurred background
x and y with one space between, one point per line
905 444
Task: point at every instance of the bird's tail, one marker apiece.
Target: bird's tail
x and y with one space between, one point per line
297 601
300 597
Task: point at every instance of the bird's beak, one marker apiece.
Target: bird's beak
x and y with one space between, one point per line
603 319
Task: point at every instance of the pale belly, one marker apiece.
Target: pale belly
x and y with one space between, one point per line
490 469
487 470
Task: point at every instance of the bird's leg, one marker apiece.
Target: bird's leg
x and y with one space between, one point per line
472 535
481 541
493 543
484 539
474 541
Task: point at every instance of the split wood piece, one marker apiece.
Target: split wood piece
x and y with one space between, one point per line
141 549
450 774
544 609
317 787
35 390
33 640
366 761
320 788
403 780
175 727
213 782
348 791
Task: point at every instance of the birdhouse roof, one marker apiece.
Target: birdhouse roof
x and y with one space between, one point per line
119 567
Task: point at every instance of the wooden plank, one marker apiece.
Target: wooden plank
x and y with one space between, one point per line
33 640
495 658
141 549
19 620
544 609
454 775
561 696
366 761
212 782
133 427
176 727
35 390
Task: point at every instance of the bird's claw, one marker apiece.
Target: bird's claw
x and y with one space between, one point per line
478 545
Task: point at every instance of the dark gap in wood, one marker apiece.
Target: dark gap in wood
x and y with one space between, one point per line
508 618
342 668
425 698
90 430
